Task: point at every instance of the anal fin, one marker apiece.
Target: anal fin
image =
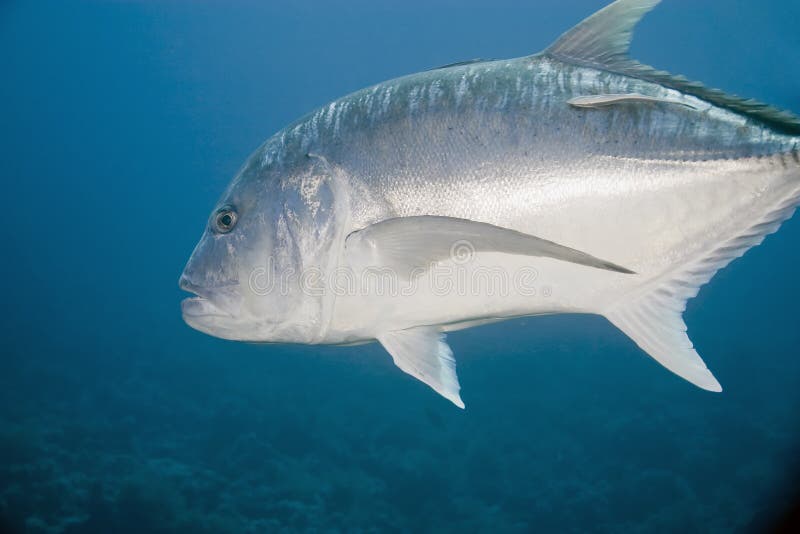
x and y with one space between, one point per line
423 353
655 324
652 317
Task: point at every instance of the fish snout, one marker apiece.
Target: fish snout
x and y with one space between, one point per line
209 301
187 285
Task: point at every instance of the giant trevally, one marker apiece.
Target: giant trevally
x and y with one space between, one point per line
576 180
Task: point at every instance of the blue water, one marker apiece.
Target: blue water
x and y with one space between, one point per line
121 123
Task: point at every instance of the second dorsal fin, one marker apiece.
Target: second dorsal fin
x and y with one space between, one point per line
603 38
602 41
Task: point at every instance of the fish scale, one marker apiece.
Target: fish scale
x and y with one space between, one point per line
615 188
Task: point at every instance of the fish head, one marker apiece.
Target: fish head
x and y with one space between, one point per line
256 269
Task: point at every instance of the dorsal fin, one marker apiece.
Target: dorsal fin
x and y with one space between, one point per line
602 41
603 38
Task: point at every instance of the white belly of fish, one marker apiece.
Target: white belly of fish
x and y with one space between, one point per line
657 218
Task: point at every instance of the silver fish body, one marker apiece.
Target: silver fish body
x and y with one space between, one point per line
628 167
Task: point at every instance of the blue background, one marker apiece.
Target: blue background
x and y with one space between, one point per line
121 123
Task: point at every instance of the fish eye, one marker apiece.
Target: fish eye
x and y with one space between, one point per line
225 219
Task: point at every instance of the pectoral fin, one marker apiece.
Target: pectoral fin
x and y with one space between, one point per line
601 101
408 243
423 353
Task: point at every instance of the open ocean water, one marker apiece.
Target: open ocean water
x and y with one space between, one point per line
120 124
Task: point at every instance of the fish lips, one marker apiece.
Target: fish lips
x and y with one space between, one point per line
220 301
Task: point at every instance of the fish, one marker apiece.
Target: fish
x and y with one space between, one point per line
574 180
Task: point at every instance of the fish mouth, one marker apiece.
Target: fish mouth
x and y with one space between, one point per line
207 302
197 307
